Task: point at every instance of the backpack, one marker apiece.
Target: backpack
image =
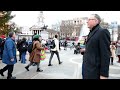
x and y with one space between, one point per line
52 46
30 46
24 47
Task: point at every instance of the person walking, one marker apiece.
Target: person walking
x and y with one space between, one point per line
35 54
18 48
97 53
23 50
65 45
55 50
9 55
118 51
112 48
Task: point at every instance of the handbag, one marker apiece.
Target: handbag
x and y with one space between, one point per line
42 55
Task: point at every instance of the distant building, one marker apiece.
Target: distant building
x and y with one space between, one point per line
71 28
118 32
52 33
104 24
114 31
39 29
35 29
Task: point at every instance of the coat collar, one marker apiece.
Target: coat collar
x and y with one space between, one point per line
10 39
93 31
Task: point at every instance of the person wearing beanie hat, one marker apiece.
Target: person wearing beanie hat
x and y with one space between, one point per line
36 36
35 54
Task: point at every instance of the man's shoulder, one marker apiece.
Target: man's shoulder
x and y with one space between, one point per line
103 31
8 40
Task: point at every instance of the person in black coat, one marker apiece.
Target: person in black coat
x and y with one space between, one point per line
96 55
23 50
65 45
2 47
18 48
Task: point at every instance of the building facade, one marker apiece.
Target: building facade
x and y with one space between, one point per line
71 28
52 33
118 32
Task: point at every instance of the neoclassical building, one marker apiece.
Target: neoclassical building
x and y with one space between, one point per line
36 29
71 28
40 26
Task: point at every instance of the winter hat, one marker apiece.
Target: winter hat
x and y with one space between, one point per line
36 36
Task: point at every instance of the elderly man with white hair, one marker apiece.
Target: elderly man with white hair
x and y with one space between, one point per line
97 50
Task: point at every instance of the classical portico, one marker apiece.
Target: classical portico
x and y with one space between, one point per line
36 29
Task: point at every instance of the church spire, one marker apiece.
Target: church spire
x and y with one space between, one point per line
41 19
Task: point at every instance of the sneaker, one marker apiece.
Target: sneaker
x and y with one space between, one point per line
39 70
49 64
23 63
1 73
27 68
11 78
60 62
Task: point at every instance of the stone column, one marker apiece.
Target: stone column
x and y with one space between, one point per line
33 31
38 32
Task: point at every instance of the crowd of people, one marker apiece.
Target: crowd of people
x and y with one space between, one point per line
8 56
98 53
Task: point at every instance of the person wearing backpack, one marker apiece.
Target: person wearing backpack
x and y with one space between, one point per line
30 47
35 54
30 50
23 50
54 49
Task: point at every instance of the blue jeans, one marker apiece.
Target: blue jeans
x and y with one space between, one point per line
23 59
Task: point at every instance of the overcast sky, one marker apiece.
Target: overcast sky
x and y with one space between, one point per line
29 18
